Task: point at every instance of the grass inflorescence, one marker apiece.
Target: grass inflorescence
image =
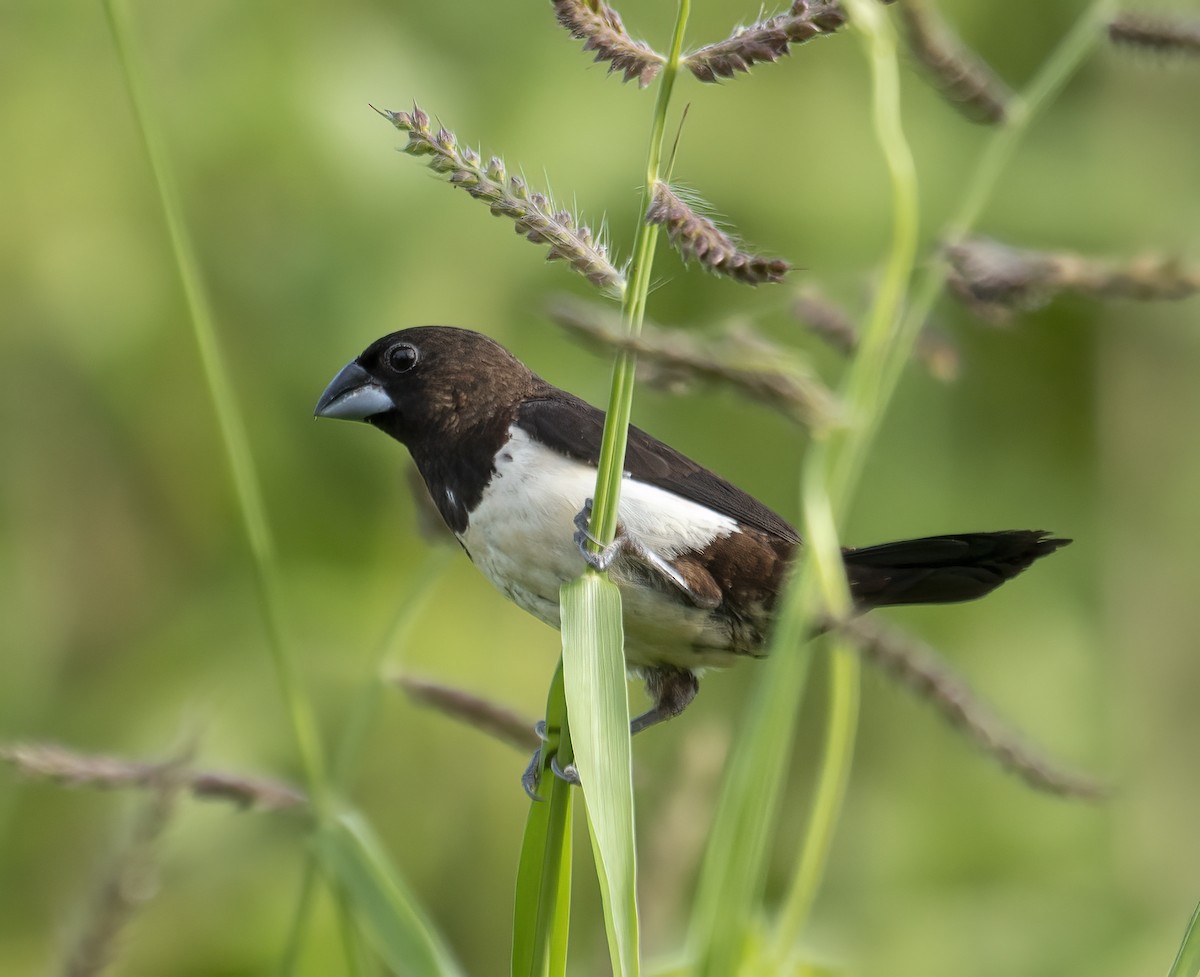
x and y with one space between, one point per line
677 359
534 215
962 77
920 669
599 26
997 281
1156 32
765 41
698 238
50 761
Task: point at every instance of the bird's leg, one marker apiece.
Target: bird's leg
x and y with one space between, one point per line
626 545
532 776
672 690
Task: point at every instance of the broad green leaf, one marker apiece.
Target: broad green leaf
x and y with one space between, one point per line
355 859
598 707
542 905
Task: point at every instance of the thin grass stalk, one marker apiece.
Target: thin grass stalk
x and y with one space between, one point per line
298 925
887 347
1054 74
229 419
832 781
732 878
234 439
633 306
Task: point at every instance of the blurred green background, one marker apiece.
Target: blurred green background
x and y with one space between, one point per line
128 614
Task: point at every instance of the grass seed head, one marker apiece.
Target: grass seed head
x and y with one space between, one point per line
766 41
961 76
697 237
600 28
535 216
1168 35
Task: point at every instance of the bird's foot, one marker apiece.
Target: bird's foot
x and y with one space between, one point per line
531 778
568 774
598 560
633 548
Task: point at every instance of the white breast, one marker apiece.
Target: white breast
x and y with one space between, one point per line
521 538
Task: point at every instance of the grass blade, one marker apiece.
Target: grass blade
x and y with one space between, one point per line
230 422
1187 960
598 704
353 856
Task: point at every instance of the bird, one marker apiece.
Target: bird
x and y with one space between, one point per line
510 460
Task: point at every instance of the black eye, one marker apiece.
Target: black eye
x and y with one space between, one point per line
401 357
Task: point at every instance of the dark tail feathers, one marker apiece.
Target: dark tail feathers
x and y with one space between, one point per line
942 569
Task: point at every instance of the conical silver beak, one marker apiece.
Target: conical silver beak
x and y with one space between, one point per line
353 396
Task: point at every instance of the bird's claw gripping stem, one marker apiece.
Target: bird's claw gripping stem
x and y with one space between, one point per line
532 776
602 560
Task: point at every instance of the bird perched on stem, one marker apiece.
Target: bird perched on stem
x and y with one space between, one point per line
510 462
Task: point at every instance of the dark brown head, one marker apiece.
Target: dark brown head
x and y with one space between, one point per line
449 394
428 383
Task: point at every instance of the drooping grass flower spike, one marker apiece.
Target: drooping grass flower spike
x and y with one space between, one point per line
961 76
1170 35
765 41
49 761
600 28
919 668
996 280
678 359
698 238
533 214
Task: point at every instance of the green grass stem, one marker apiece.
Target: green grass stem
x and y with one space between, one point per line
733 871
633 306
593 645
832 781
368 886
735 864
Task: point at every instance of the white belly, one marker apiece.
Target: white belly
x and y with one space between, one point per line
521 538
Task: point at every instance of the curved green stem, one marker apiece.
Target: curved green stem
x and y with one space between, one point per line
832 780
